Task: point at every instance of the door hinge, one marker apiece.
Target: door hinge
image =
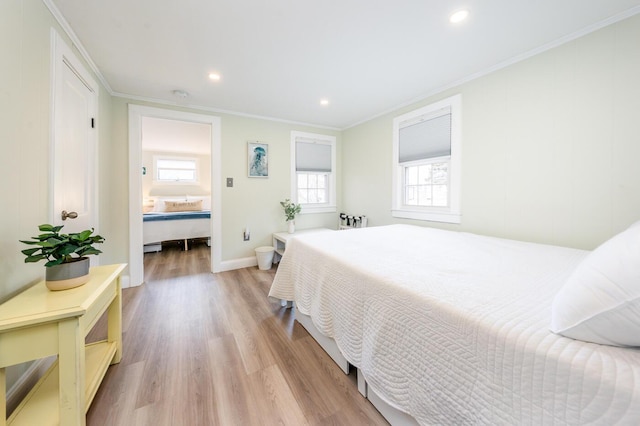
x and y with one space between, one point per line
93 123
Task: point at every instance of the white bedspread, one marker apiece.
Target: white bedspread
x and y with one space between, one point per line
452 328
167 230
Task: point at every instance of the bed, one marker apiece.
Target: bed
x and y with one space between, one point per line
454 328
176 219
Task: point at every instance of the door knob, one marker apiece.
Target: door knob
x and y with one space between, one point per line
70 215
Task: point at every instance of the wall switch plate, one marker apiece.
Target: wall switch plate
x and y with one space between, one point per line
229 182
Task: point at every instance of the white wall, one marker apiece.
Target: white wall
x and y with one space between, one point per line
550 146
150 187
252 202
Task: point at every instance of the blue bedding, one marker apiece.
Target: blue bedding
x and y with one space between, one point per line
157 216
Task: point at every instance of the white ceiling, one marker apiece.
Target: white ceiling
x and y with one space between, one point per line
278 58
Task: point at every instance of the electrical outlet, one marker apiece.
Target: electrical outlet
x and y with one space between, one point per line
229 182
246 235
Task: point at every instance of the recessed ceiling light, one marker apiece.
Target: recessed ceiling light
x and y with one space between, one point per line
214 76
459 16
324 102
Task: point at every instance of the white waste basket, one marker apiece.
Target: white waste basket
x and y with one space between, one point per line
265 257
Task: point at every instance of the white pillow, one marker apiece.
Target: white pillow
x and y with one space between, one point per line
183 206
600 302
206 200
159 202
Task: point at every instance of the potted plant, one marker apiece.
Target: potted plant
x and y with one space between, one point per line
65 254
290 211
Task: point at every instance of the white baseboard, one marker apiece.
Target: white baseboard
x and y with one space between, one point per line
227 265
26 381
125 281
244 262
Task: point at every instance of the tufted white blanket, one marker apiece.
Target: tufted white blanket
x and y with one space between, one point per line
452 328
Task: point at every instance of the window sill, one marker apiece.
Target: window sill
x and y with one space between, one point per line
176 182
307 209
427 216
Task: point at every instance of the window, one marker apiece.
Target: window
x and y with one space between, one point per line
312 187
176 169
426 162
313 165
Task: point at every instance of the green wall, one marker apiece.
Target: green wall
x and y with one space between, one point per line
25 32
25 44
550 146
250 202
550 151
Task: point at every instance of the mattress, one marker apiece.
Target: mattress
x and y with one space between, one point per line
452 328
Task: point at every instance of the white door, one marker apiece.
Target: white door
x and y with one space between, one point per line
74 145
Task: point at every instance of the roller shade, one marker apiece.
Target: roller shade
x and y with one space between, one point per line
425 139
313 157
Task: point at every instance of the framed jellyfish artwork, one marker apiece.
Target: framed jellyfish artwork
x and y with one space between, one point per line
258 159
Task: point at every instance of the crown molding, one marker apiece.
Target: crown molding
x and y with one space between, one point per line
558 42
76 43
562 40
220 111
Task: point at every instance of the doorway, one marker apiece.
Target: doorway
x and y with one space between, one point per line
137 115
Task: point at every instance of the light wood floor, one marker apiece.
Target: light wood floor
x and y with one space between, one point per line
210 349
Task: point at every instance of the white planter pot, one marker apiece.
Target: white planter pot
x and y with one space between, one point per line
292 226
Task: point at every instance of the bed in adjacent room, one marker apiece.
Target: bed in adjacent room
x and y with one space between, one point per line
454 328
175 218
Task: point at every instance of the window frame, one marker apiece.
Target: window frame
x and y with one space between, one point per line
425 162
330 206
451 213
316 187
158 181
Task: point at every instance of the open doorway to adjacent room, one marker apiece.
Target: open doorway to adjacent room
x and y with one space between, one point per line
174 171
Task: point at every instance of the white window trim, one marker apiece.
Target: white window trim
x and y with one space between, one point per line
330 206
451 214
175 182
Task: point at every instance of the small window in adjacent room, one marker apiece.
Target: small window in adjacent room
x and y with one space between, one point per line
313 165
176 169
426 162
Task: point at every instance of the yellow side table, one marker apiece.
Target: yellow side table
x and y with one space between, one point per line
38 323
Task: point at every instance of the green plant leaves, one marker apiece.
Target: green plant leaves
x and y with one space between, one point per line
50 228
290 209
84 234
29 252
59 248
54 262
89 251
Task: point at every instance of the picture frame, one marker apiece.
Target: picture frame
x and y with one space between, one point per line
257 160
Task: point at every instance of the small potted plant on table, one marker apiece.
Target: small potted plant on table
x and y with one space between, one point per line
67 265
290 211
